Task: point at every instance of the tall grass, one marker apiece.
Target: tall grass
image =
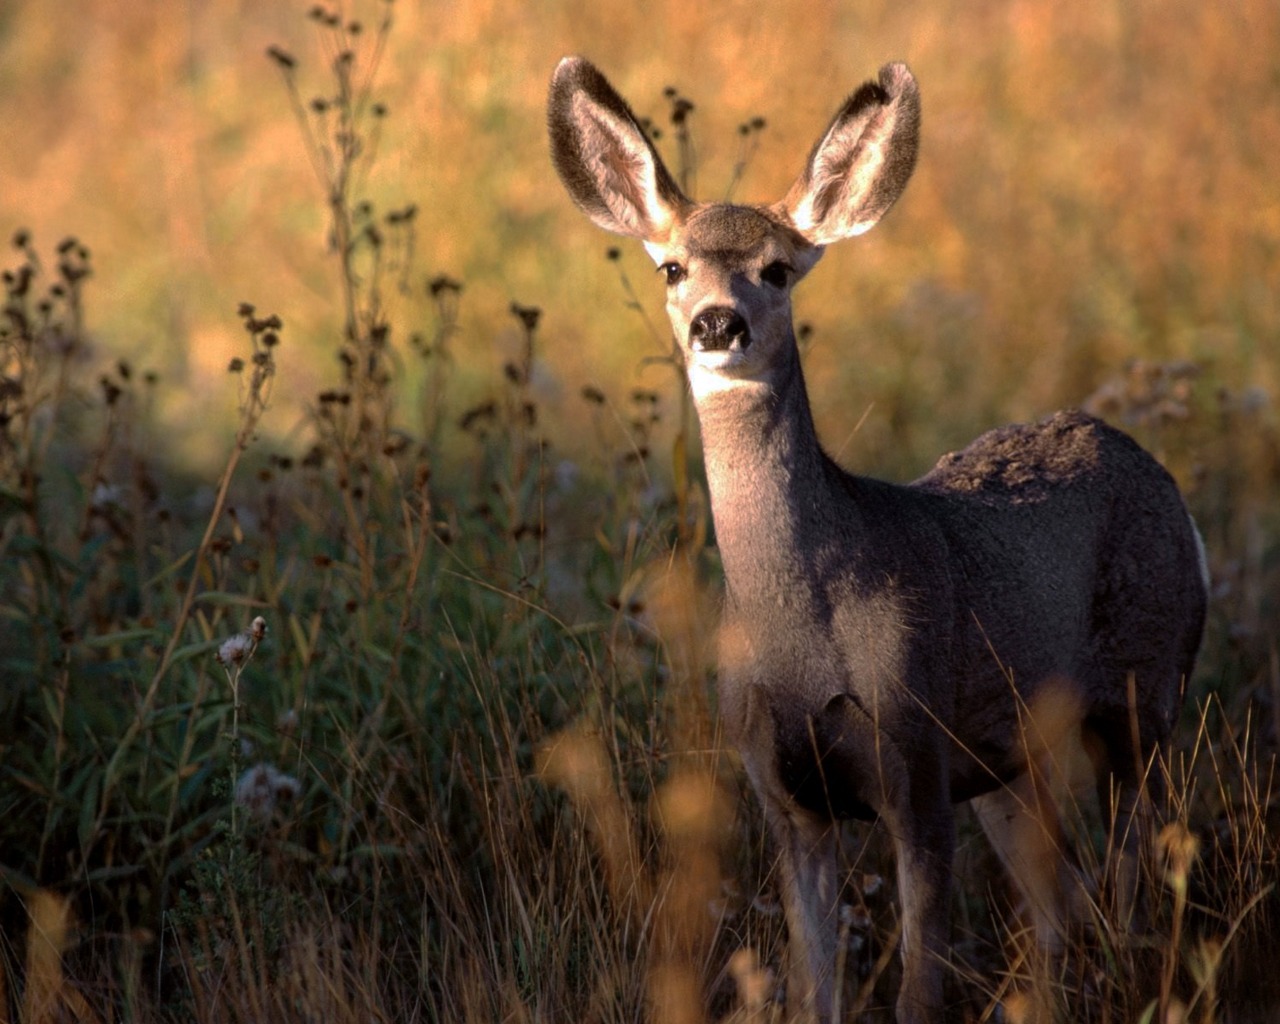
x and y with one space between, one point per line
410 718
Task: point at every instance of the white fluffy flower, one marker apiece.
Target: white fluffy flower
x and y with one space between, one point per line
235 649
264 789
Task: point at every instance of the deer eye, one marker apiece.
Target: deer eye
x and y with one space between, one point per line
776 274
675 273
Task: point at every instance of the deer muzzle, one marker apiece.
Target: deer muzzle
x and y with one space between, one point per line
719 329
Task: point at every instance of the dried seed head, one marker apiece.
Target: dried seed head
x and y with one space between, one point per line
1180 846
527 315
282 59
444 283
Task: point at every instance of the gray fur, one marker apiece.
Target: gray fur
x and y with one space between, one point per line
883 646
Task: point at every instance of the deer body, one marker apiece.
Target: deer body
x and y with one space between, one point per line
881 643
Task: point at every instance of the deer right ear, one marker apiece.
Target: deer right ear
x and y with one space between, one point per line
604 158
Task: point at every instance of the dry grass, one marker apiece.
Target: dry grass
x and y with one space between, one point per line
472 770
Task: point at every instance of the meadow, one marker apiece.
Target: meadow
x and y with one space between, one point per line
357 576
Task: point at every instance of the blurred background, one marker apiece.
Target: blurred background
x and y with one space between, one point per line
1097 183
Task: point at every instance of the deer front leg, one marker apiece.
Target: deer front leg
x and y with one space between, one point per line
806 847
924 839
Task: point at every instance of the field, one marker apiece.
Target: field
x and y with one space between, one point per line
357 576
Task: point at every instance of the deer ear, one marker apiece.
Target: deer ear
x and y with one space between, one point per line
604 158
860 166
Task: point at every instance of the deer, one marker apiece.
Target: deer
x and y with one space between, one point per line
880 643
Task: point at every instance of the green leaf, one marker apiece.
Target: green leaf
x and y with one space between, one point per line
11 503
303 642
50 699
168 570
223 598
121 638
15 879
109 874
89 810
195 650
192 786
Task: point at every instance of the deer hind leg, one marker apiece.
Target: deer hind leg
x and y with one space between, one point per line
1129 787
1021 822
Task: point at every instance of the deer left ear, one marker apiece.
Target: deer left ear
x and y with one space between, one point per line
607 163
860 166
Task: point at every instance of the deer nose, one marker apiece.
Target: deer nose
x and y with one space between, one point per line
717 329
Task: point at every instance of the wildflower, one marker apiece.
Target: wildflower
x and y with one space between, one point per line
235 650
264 789
238 649
104 496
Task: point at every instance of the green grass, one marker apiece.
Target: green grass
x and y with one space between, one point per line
497 789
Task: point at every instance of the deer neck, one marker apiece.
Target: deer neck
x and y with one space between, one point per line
776 498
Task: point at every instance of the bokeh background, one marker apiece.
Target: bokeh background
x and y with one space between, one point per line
1098 182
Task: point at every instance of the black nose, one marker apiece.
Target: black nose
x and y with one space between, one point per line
718 328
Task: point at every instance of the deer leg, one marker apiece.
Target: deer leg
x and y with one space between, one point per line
1022 825
807 864
1127 794
1125 810
924 839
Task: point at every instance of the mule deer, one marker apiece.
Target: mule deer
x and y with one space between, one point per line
881 643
